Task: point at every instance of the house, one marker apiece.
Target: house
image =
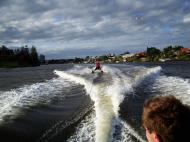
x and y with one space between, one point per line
141 54
42 58
127 57
185 50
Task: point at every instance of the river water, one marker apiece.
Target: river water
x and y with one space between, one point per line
66 102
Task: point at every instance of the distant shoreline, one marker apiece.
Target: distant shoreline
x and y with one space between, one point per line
12 65
17 66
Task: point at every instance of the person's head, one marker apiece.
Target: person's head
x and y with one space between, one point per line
166 119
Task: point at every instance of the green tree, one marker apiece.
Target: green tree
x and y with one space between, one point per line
34 56
103 58
177 47
153 53
23 56
6 54
168 52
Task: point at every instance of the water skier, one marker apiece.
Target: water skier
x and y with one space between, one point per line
98 66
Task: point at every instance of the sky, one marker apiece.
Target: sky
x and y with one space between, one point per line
77 28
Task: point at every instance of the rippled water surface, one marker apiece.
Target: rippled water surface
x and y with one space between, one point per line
68 103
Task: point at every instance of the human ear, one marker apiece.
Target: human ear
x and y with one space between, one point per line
156 137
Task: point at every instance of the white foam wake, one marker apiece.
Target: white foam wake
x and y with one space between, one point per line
144 73
13 101
86 131
107 97
174 86
106 103
102 103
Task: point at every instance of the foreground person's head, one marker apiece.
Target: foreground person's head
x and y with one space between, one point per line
166 119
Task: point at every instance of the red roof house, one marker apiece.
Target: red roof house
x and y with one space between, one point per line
185 50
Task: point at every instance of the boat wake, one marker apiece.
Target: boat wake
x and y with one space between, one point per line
117 95
14 101
107 93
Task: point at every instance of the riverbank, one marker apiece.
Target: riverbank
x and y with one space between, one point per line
8 65
15 65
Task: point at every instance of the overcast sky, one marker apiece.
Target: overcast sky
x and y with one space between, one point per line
73 28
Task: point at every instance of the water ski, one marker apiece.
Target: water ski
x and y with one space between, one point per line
98 71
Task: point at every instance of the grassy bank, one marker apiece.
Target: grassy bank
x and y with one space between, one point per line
8 64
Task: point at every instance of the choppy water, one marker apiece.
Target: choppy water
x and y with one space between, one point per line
67 103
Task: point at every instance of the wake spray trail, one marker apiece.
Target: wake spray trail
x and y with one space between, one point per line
104 116
107 98
102 102
12 102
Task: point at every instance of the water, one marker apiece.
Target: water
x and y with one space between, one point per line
58 103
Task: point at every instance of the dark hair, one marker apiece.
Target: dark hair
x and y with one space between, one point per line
168 118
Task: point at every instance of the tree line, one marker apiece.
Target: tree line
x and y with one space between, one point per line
170 52
23 56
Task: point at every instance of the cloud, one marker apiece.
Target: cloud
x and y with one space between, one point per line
116 25
186 18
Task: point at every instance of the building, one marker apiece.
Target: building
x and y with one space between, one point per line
42 58
127 57
185 50
141 54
